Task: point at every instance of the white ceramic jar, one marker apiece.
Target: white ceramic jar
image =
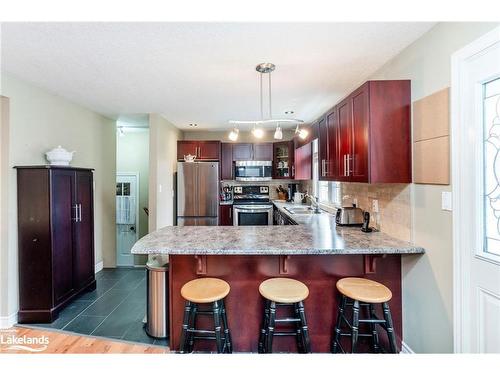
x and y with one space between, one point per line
59 156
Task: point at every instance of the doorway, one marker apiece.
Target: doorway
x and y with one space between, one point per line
476 195
127 213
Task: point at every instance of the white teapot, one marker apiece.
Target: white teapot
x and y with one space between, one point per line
59 156
189 158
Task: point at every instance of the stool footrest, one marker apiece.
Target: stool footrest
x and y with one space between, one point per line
287 320
285 333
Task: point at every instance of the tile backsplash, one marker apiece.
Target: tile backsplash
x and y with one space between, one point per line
394 216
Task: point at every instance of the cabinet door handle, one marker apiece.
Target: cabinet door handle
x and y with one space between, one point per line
80 212
230 213
348 162
75 208
293 170
323 167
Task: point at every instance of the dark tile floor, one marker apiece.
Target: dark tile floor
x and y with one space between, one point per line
114 310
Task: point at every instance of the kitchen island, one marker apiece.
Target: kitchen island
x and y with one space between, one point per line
316 252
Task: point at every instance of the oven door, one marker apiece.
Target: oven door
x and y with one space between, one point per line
253 215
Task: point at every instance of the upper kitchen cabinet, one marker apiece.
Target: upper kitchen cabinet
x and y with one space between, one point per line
283 160
203 150
242 151
263 151
368 135
226 161
303 162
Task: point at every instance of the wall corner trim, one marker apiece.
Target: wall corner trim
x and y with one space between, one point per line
8 321
99 266
405 349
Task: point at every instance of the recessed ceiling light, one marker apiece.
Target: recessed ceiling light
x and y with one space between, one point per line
193 125
289 112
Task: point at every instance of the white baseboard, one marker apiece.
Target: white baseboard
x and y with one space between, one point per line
99 266
8 321
405 349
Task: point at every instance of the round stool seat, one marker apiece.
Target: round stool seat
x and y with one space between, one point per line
205 290
364 290
283 290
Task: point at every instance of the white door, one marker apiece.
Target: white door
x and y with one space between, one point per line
127 187
476 189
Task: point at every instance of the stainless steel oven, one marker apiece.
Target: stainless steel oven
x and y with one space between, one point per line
252 205
253 214
252 170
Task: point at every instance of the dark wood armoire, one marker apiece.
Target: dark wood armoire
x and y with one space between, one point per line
55 239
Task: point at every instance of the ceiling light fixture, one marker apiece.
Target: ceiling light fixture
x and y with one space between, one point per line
302 133
258 132
233 134
289 112
278 134
193 125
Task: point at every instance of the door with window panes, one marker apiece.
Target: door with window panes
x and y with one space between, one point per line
476 186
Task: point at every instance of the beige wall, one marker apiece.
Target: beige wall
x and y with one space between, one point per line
428 280
162 168
4 211
132 156
40 121
244 136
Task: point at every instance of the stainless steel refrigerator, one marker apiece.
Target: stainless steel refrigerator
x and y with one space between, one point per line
197 193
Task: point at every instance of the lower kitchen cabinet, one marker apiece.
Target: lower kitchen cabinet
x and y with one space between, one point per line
226 214
55 239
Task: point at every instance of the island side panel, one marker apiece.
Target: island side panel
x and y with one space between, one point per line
244 304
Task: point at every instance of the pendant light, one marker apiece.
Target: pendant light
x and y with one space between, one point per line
233 134
302 133
278 134
258 131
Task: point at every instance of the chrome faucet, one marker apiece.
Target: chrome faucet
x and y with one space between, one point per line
314 203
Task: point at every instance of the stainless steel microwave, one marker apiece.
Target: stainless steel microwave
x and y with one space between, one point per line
251 170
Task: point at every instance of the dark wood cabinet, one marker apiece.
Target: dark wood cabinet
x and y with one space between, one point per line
242 151
323 147
357 160
262 151
366 137
303 162
186 148
226 162
55 239
283 160
344 142
375 134
226 214
203 150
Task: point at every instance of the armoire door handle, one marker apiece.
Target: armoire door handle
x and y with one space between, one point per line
80 212
75 208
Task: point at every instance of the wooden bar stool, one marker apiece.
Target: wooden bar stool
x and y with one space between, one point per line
358 292
284 292
205 291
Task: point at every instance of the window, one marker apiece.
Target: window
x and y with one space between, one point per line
491 202
328 192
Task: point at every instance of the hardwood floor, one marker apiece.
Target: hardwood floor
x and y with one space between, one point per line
60 343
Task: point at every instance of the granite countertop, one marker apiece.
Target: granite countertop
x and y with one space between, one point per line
315 234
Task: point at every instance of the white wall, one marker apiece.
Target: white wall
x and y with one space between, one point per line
428 280
132 156
40 121
162 167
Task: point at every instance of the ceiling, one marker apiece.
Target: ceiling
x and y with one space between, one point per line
201 73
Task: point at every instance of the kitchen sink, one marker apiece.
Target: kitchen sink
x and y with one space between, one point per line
301 210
